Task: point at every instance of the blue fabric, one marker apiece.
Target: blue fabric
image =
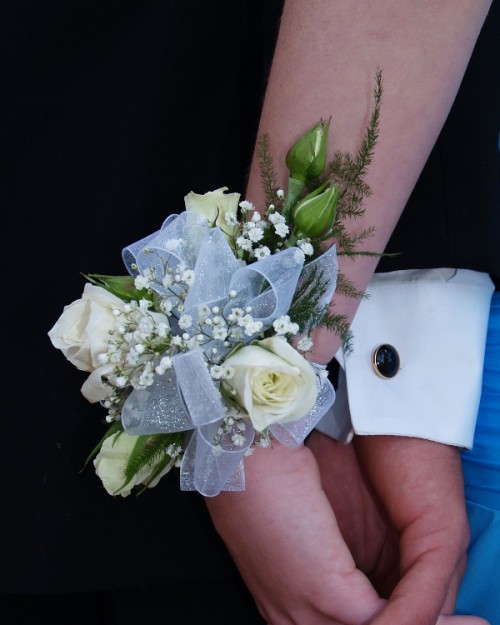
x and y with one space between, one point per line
480 590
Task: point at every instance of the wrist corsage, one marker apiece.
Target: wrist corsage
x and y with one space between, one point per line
198 354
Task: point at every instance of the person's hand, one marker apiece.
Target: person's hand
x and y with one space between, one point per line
283 536
400 507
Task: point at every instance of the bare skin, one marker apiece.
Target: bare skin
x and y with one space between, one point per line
404 524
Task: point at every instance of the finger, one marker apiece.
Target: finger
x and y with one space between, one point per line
420 485
451 597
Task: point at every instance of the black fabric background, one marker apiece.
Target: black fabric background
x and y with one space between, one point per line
110 113
453 216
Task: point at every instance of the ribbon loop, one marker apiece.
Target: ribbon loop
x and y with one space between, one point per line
268 285
208 467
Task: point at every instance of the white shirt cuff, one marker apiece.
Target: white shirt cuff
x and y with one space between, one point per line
436 320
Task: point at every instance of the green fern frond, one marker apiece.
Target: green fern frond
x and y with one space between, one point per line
307 308
340 325
149 449
346 287
267 172
162 464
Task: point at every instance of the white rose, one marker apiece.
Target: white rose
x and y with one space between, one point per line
82 331
111 462
214 205
273 382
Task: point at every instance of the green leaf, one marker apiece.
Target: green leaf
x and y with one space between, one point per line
121 286
116 426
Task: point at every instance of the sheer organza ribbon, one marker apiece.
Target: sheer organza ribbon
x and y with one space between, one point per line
186 398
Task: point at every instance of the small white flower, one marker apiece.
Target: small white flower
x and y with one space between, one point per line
280 193
121 381
171 245
168 280
246 206
216 372
141 282
236 335
132 357
307 248
231 218
185 322
245 320
166 306
177 341
305 344
282 325
238 440
255 235
162 330
188 277
281 230
227 372
220 333
256 217
146 378
203 310
276 218
233 294
237 312
165 363
244 244
262 252
253 328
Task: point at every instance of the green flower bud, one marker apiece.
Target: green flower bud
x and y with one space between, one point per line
306 158
121 286
315 215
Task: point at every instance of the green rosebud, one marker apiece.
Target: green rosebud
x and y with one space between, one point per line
315 215
306 158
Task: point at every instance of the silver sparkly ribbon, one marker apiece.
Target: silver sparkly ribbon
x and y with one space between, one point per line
186 397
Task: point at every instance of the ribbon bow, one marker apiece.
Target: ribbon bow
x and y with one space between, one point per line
188 399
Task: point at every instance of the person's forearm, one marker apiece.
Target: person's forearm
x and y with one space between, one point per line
325 63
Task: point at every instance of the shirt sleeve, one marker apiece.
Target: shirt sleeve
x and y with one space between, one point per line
434 323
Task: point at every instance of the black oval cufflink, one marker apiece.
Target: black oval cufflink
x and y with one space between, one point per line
386 361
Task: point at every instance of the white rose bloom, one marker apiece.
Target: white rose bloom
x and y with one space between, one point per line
214 205
82 331
273 382
111 461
